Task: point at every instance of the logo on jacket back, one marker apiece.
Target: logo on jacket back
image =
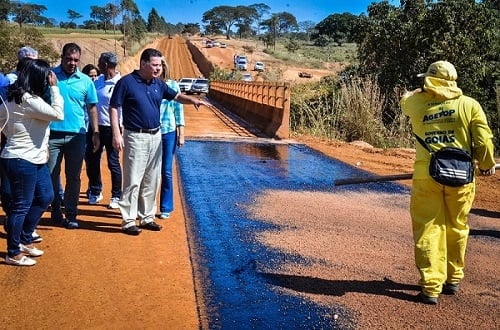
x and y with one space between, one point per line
439 115
442 135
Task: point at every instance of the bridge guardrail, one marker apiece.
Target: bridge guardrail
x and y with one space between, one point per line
266 105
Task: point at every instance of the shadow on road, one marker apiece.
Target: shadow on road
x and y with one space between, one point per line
313 285
485 232
486 213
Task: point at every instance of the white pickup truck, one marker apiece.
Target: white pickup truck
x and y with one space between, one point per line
185 84
242 64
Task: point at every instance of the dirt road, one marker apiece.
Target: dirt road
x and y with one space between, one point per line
96 277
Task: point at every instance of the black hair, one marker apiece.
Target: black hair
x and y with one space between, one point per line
86 69
71 48
150 52
21 63
32 78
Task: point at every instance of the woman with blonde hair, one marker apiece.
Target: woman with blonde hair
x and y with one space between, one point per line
172 136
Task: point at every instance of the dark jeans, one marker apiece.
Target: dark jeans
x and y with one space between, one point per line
71 147
5 194
168 145
31 194
93 163
4 183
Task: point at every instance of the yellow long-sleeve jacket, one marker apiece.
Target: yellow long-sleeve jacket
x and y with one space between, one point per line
443 117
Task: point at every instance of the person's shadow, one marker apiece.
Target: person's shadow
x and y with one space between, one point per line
486 213
313 285
112 224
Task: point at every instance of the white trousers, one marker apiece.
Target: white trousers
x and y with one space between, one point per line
141 177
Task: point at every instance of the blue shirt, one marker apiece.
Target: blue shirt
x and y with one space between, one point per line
4 86
140 100
171 112
78 92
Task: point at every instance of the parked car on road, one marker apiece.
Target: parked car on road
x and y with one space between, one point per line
258 66
223 45
305 75
199 86
242 64
185 84
246 76
238 57
215 43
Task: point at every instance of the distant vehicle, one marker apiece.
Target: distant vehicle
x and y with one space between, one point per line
215 43
185 84
209 44
238 57
242 64
259 66
305 75
199 86
246 76
223 45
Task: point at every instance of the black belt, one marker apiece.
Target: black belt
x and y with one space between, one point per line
144 130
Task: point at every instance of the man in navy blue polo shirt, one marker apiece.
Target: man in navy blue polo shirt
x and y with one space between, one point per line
139 94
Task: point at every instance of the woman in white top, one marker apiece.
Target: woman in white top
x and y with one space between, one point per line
25 155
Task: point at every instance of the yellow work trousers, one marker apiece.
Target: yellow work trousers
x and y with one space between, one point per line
440 231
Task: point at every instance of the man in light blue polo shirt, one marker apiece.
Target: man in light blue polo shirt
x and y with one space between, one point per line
68 137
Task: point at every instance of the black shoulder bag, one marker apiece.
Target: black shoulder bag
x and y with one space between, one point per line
450 166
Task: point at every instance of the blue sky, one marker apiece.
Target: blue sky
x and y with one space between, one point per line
191 11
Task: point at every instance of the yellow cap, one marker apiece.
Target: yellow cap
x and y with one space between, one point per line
441 69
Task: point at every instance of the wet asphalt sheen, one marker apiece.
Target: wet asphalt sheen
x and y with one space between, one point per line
242 285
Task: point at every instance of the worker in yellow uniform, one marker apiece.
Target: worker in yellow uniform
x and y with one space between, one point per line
442 116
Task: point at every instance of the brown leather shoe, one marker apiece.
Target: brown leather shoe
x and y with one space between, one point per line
153 226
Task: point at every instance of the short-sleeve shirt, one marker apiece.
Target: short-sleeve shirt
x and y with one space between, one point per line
140 100
171 112
104 91
78 91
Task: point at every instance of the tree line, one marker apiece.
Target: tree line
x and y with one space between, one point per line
394 42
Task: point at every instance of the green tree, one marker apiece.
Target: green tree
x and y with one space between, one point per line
261 9
339 27
12 38
278 24
90 24
130 17
25 13
244 30
191 28
5 8
322 40
103 16
155 22
396 43
212 28
72 15
112 12
224 17
292 45
308 27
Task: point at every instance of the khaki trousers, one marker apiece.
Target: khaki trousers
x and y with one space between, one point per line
141 177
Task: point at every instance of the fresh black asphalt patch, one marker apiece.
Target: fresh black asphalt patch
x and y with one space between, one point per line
238 283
